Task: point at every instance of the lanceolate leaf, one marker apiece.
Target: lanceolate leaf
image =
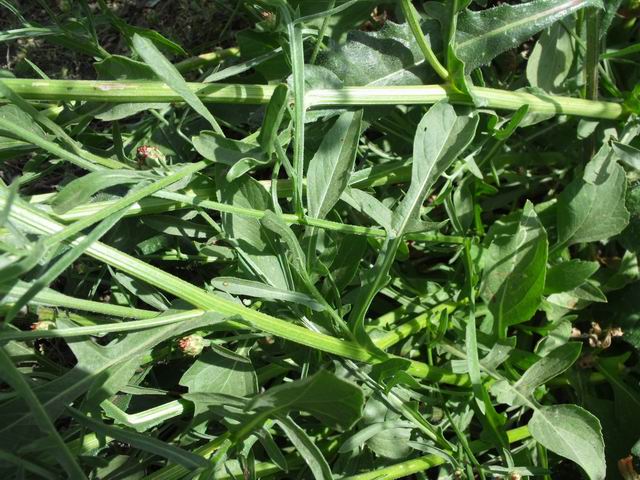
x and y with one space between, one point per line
514 271
170 75
307 448
330 167
483 35
441 136
79 191
250 288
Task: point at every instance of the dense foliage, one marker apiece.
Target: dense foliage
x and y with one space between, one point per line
365 241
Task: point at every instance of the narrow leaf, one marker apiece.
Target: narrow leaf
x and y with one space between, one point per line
330 166
170 75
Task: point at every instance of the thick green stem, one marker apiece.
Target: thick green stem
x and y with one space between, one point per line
146 91
39 222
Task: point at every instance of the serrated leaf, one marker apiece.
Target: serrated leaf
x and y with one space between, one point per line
515 268
483 35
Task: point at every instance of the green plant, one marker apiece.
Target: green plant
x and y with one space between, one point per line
330 251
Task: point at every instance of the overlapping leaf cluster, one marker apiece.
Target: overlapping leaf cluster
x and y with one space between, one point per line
195 290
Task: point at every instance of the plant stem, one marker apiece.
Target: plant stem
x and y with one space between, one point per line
591 70
52 298
405 469
37 221
147 91
413 19
169 201
104 328
206 59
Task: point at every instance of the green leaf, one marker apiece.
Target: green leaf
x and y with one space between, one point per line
273 118
548 367
147 443
218 370
630 236
256 246
97 366
389 56
251 288
331 165
307 448
550 61
441 137
334 401
19 118
566 276
572 432
346 263
80 190
275 224
38 415
628 154
483 35
589 211
117 67
515 268
171 76
223 150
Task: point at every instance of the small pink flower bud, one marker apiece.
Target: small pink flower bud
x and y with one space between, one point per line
191 345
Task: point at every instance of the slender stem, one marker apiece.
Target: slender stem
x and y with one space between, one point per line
104 328
591 69
414 23
409 467
52 298
146 91
321 33
171 201
206 59
410 327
